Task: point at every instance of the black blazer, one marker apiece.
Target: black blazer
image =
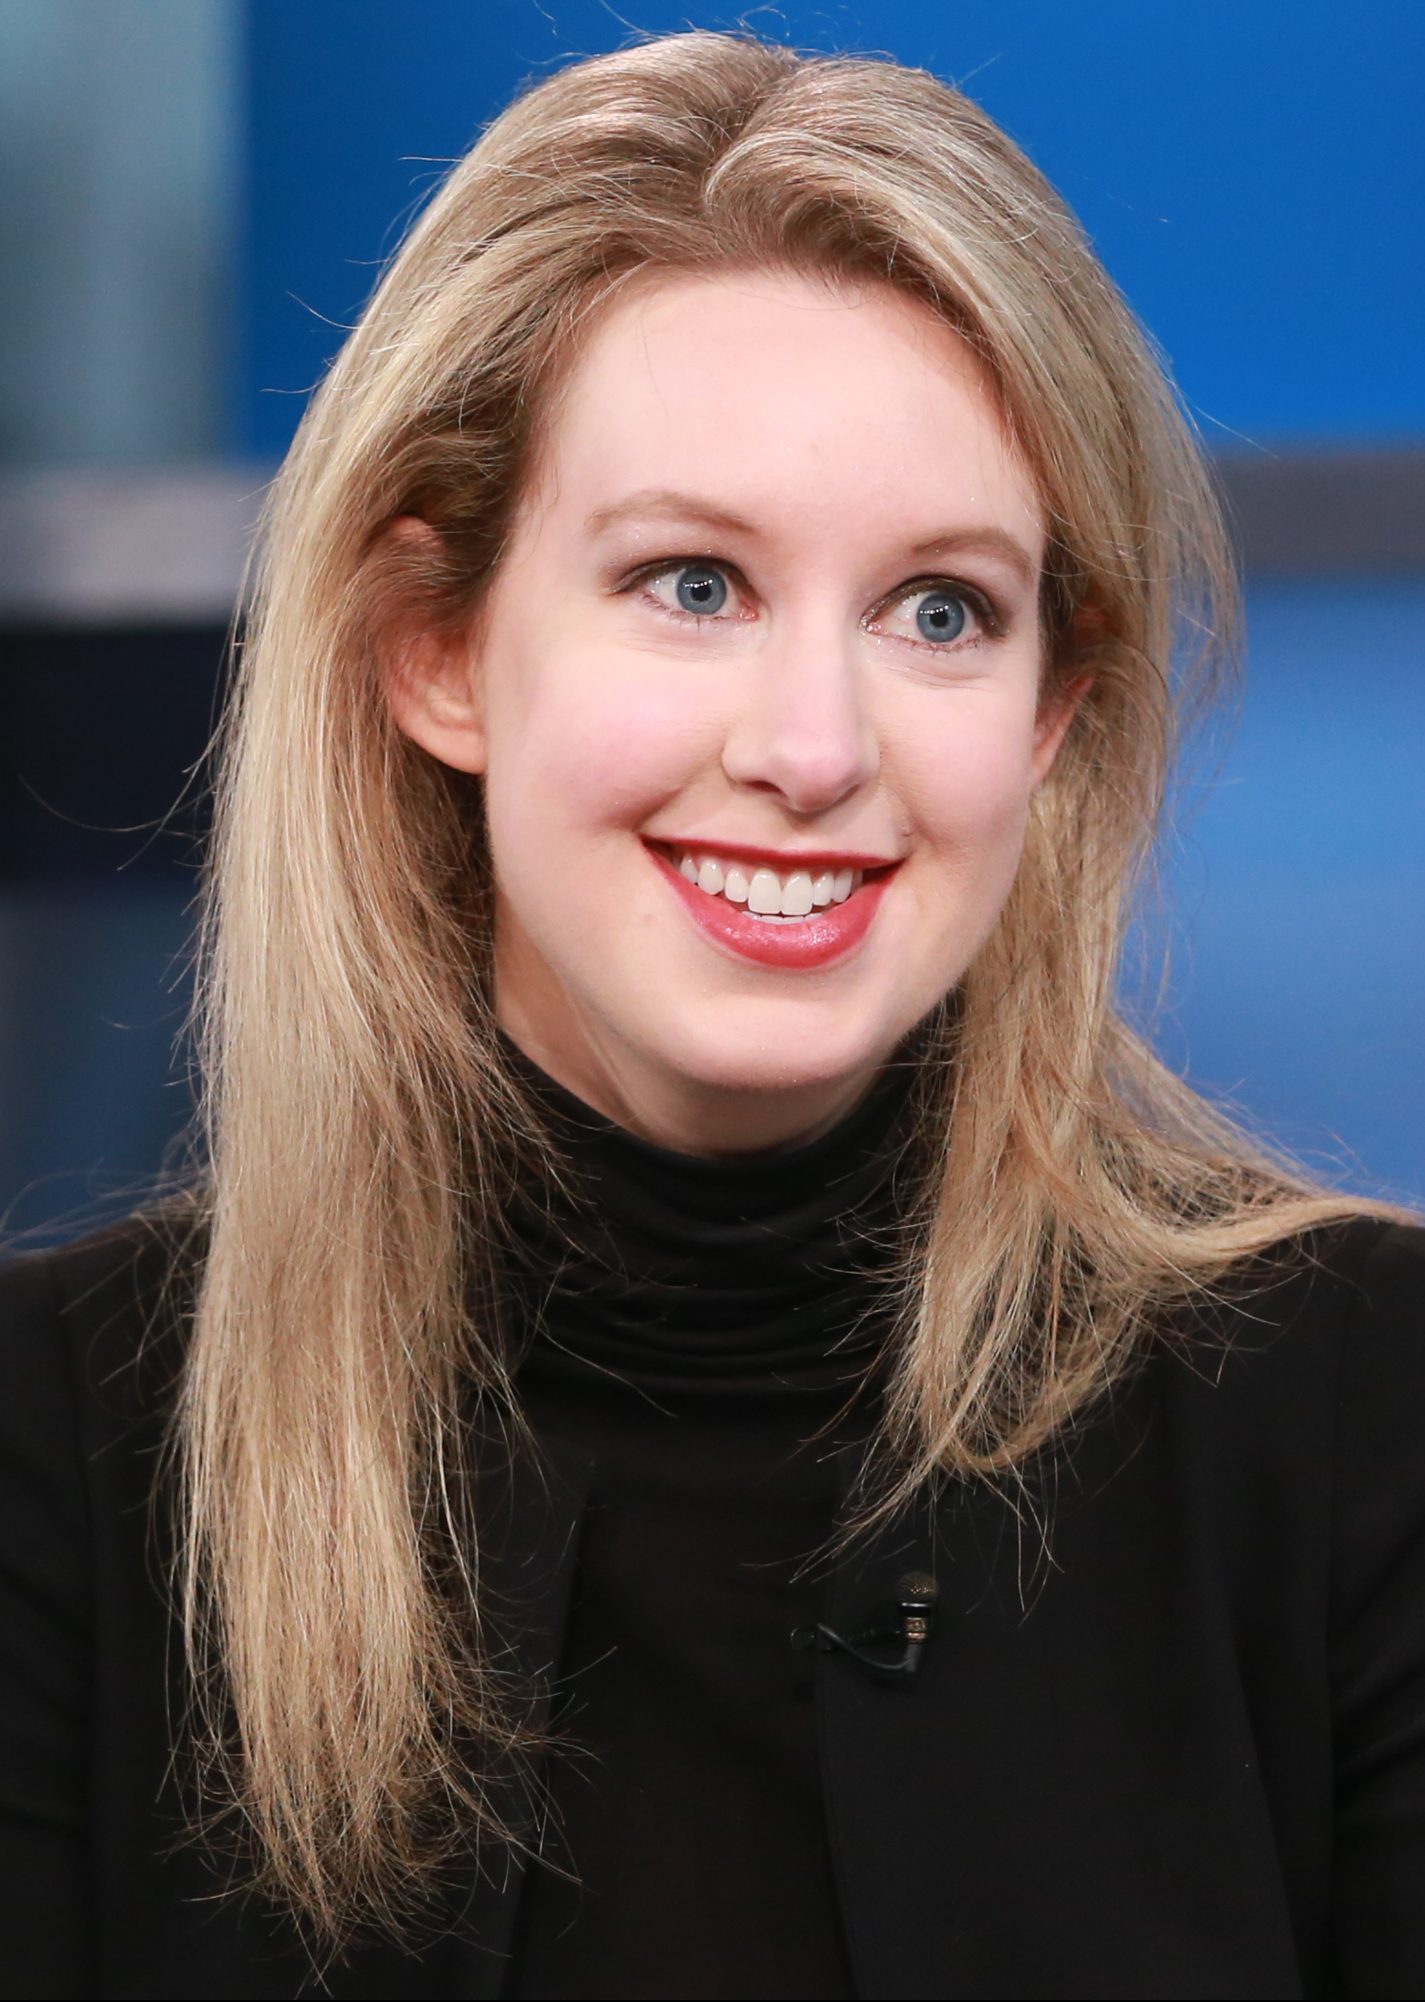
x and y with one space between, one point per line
1177 1750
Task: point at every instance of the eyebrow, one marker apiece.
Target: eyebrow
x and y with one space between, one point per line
666 504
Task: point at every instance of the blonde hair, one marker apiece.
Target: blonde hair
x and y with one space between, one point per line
359 1117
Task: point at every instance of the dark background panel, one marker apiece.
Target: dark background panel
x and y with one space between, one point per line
102 810
102 728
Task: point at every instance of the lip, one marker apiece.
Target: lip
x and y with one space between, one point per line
783 860
819 940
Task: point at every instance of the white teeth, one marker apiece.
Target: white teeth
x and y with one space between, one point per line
764 895
796 898
764 892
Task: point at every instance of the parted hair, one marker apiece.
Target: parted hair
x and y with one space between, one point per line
359 1119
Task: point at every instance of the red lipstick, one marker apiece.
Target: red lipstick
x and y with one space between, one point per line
819 940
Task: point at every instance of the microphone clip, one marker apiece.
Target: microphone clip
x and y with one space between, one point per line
910 1630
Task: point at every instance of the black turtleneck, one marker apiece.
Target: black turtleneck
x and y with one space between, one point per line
708 1338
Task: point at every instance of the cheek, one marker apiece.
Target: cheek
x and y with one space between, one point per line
966 782
578 744
619 767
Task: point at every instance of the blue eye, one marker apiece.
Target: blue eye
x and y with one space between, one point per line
701 590
940 615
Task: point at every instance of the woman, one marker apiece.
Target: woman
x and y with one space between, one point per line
714 1423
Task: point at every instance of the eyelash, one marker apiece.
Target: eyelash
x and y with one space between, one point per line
984 610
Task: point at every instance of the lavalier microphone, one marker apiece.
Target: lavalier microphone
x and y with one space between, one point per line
910 1628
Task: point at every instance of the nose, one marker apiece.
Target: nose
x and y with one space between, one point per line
803 730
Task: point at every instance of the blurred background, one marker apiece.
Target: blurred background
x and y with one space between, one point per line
195 199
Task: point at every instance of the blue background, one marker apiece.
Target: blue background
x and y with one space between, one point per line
1252 177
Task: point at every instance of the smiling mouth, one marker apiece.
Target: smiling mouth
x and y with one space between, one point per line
786 896
806 938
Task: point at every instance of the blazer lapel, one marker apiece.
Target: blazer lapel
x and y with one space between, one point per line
530 1516
880 1790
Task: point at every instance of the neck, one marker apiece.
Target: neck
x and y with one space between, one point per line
666 1267
686 1115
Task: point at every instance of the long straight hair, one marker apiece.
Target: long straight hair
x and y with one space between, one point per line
359 1119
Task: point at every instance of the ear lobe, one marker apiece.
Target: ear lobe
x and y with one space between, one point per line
432 677
432 685
1052 726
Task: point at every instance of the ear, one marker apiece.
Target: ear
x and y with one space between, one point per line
1056 713
431 674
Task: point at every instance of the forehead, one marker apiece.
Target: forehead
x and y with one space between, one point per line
804 408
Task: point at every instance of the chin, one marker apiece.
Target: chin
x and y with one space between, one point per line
773 1050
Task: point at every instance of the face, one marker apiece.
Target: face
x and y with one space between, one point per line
756 697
